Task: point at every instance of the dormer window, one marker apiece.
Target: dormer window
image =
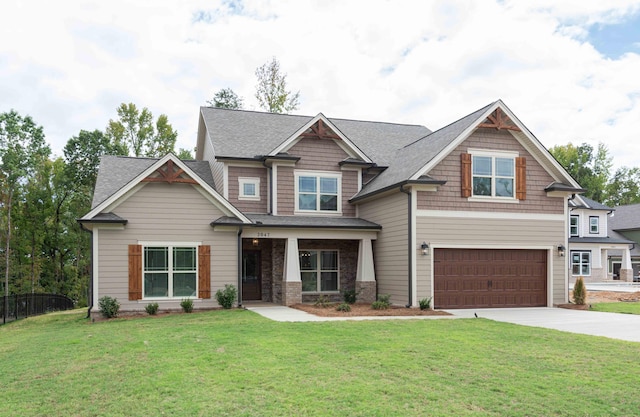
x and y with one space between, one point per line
318 192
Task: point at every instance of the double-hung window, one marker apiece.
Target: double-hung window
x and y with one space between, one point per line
581 263
594 224
319 270
573 226
170 271
493 176
318 192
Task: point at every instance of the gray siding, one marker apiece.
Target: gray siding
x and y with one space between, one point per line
164 213
390 249
490 233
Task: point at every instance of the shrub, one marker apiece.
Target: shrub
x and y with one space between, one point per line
187 305
345 307
350 296
382 303
579 292
151 308
109 307
425 303
227 296
322 301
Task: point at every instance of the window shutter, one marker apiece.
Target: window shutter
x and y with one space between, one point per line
465 179
204 271
521 178
135 272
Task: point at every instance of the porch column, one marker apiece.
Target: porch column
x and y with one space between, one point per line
366 274
291 284
626 270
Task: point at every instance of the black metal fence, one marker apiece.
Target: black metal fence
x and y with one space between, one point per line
20 306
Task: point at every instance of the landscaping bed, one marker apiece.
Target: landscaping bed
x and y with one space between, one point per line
362 309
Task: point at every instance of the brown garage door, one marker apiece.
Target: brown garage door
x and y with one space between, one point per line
483 278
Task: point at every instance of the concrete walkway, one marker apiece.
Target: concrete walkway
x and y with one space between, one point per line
612 325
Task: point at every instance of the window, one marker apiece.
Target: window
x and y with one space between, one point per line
318 192
319 270
249 188
594 224
493 176
581 263
169 271
573 225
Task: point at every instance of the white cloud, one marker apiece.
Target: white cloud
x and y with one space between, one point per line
409 61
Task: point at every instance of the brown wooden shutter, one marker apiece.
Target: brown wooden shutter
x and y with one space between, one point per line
521 178
135 272
204 271
465 179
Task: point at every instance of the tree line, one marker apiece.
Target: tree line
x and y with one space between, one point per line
42 247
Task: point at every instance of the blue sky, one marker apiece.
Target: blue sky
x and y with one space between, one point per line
568 69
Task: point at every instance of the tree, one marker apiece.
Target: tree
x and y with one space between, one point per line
22 150
185 154
135 131
271 90
590 170
624 187
226 98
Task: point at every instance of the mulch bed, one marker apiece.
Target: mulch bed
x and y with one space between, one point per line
361 309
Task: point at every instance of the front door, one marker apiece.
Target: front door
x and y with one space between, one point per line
251 277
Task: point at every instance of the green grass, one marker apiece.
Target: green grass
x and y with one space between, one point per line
236 363
628 308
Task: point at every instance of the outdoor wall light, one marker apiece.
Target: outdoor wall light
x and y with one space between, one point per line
424 248
255 242
561 250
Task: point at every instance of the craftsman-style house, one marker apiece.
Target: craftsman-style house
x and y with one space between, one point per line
288 208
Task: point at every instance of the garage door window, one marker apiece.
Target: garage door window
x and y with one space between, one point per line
581 263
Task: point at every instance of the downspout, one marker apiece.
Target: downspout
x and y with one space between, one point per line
90 296
240 267
409 245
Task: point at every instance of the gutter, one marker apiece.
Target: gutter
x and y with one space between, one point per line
409 245
240 267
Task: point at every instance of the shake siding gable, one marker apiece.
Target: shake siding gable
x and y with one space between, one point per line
161 212
449 195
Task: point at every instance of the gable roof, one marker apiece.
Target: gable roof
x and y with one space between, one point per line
586 203
250 134
119 174
625 218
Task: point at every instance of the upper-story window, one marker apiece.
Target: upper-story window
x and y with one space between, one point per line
594 224
318 192
574 226
493 175
249 188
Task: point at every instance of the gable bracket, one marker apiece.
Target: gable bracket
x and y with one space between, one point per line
320 131
170 173
499 120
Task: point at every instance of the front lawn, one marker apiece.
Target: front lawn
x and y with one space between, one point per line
236 363
619 307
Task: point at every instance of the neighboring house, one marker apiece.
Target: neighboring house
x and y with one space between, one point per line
289 208
592 243
625 224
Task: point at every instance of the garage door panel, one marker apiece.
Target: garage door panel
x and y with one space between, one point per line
476 278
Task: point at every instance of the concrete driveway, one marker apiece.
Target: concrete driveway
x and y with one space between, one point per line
595 323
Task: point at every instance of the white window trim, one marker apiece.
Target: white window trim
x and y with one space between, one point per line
571 263
494 154
577 217
591 232
323 174
170 246
248 180
319 271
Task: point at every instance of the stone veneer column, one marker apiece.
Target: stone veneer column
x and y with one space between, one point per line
366 275
626 270
292 284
